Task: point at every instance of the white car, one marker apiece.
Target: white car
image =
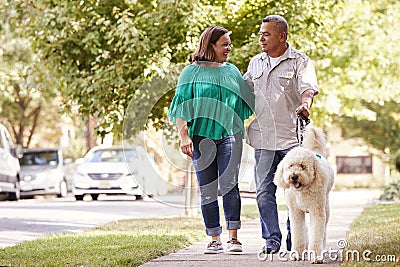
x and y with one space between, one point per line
9 167
42 173
107 171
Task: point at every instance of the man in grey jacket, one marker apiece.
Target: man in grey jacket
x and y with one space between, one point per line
284 84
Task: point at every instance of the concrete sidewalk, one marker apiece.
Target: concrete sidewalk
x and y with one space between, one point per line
345 207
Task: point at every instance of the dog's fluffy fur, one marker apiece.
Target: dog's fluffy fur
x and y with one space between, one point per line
307 178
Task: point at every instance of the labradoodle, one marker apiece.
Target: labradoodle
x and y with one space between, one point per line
307 178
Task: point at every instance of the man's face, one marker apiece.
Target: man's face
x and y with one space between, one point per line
270 38
222 48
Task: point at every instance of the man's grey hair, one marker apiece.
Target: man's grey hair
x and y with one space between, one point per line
281 23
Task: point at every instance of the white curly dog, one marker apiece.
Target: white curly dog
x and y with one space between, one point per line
307 178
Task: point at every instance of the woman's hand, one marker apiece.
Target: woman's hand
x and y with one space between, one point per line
186 141
187 146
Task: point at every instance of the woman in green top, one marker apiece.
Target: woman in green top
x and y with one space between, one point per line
209 108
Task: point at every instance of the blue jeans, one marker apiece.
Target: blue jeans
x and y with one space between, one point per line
266 164
218 162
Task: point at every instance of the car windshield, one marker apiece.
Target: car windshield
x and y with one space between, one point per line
39 158
113 155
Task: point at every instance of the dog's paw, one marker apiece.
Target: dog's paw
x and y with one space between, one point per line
296 258
295 255
317 260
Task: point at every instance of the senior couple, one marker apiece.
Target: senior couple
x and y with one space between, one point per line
211 102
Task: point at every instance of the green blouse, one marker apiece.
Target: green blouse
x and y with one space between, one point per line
214 101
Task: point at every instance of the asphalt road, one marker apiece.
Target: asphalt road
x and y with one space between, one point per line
29 219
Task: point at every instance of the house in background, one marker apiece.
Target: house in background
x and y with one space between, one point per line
356 164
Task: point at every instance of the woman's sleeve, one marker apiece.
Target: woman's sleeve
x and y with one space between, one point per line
247 99
181 106
246 106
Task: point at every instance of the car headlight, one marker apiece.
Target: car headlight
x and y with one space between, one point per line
27 178
81 181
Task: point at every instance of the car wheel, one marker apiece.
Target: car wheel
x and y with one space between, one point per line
95 196
79 197
139 197
63 189
14 196
27 197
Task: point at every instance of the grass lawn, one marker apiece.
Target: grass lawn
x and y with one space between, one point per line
121 243
374 237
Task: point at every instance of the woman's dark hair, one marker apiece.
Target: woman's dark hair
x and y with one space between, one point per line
210 36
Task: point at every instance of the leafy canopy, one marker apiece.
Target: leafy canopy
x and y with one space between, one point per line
107 54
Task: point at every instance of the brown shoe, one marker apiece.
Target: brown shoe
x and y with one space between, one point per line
214 247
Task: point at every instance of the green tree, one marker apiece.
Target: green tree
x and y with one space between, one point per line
365 74
107 50
380 129
357 72
25 83
313 33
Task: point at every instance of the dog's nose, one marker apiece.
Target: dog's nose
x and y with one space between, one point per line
294 177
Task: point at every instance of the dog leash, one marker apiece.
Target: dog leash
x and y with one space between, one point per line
301 123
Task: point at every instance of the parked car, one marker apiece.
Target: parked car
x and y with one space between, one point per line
42 172
107 171
9 167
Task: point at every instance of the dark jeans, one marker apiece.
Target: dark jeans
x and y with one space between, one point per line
218 162
266 164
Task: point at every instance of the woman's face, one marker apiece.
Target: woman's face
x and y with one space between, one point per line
222 48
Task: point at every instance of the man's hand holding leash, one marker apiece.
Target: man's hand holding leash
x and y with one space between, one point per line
303 110
303 113
306 102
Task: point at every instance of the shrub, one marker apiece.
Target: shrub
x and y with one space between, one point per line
392 190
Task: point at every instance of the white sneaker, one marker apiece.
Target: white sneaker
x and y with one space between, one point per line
214 247
234 246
